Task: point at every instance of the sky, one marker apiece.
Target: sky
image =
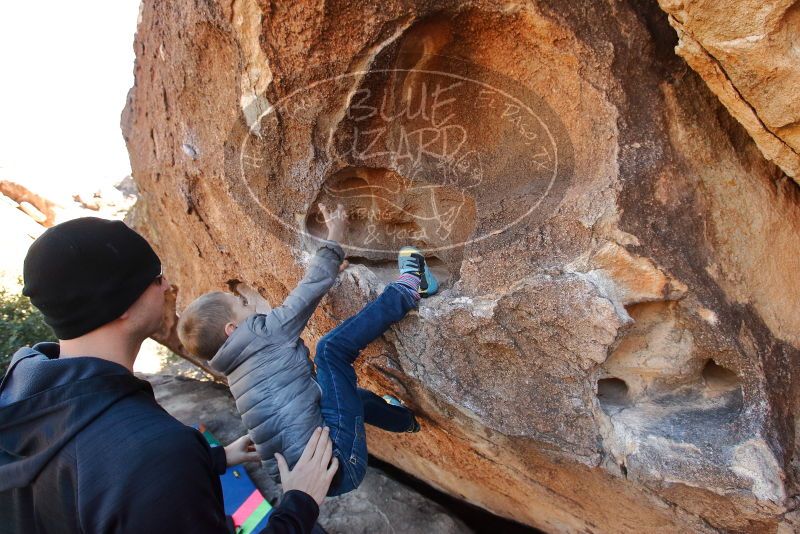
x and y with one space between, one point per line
65 71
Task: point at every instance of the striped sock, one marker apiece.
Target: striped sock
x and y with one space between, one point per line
411 283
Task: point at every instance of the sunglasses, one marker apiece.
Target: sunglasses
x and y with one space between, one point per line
158 279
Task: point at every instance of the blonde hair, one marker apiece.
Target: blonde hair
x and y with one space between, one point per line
201 326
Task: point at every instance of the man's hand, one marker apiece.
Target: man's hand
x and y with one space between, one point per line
240 451
336 221
314 470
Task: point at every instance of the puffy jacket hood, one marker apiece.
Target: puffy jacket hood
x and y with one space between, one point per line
45 402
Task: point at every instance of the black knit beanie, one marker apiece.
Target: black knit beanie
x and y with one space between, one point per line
86 272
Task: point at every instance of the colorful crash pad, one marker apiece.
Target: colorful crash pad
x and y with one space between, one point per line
243 501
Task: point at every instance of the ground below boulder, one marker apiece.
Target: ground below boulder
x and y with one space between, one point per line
380 505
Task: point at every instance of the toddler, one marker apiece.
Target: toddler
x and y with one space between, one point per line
279 395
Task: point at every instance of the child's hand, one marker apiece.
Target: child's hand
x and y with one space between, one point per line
336 222
314 470
240 451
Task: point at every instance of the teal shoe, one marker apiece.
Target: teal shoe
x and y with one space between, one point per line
410 260
397 402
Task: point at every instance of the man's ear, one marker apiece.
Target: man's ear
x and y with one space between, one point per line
229 328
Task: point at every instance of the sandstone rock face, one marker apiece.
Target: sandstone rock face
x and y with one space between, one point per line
615 345
748 54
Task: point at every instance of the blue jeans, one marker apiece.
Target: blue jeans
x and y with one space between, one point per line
345 406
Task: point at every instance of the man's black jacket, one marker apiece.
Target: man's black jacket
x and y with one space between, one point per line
85 448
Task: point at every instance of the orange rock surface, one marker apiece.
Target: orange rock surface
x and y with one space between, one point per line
748 54
615 345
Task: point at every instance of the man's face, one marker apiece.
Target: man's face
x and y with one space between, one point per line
147 313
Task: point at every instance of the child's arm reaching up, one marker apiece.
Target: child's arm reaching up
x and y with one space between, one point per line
291 317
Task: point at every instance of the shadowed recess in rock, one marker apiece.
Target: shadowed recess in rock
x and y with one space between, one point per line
612 391
719 379
696 431
387 211
386 270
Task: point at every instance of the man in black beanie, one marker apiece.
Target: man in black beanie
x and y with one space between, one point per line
84 447
87 272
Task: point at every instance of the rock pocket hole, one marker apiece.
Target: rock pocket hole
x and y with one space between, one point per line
387 211
386 270
719 379
612 392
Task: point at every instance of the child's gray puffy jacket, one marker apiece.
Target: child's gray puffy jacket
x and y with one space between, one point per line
269 370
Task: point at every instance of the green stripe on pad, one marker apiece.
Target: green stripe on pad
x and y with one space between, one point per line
255 518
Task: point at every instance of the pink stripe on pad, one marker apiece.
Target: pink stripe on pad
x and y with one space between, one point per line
247 508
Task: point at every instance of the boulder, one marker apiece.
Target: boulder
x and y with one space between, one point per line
615 343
